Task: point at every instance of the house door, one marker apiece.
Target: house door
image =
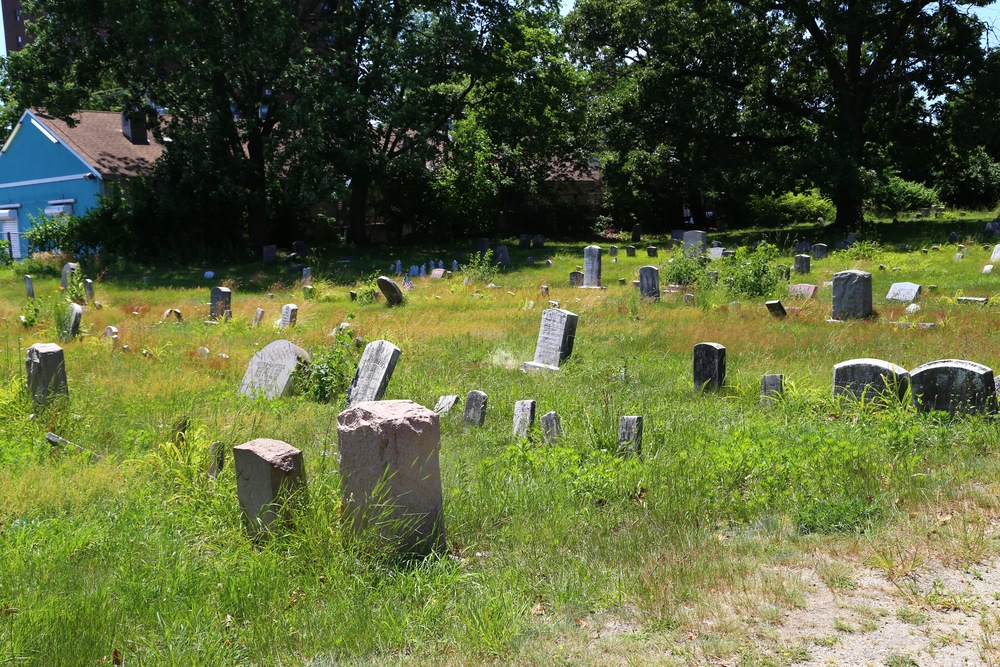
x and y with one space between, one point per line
10 228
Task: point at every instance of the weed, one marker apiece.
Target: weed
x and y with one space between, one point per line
481 268
900 660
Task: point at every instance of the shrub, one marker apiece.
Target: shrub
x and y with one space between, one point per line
685 268
791 207
753 273
482 268
329 373
894 194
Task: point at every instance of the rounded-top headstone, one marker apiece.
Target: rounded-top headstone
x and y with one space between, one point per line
389 288
870 379
269 372
954 386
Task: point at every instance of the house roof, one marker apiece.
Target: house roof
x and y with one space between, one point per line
97 138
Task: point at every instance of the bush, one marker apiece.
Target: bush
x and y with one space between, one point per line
684 269
791 207
893 195
326 377
973 183
753 273
482 268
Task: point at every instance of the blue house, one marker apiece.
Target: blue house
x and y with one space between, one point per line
48 168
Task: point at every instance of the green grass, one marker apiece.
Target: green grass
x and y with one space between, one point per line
561 554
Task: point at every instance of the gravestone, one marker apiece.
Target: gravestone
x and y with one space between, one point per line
268 472
524 417
802 263
46 366
307 274
300 248
270 254
819 250
258 316
841 245
995 257
651 251
709 366
29 287
475 408
852 295
482 246
269 372
649 283
551 427
289 315
437 274
695 241
388 287
952 236
308 293
905 292
715 253
555 340
613 251
978 300
220 301
390 475
776 309
538 241
446 403
68 268
988 268
636 233
375 368
954 386
529 261
592 266
501 256
772 387
870 379
576 279
88 290
803 290
216 459
524 241
630 251
110 332
630 435
69 328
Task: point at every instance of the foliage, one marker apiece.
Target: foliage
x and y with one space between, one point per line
684 268
481 268
753 273
329 373
31 314
790 208
865 250
969 180
894 195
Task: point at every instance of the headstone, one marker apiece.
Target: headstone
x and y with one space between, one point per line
68 268
802 263
870 379
954 386
393 295
819 250
446 403
551 427
852 239
375 368
630 251
576 279
268 472
202 352
636 233
952 236
216 459
46 366
905 292
437 274
307 274
300 248
613 251
978 300
545 290
709 366
649 283
482 246
651 251
269 372
399 267
988 268
524 241
475 408
308 293
110 332
423 270
529 261
852 295
289 315
772 387
592 266
555 340
695 241
538 241
841 245
454 266
803 246
258 316
776 309
524 417
715 253
29 286
414 271
630 435
88 290
221 300
501 256
995 257
959 256
802 290
270 254
69 328
912 308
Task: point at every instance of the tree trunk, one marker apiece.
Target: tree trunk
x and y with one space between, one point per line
849 199
358 207
257 223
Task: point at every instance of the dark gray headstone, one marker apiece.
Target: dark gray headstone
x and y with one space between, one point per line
630 251
954 386
695 241
613 251
592 266
258 316
482 246
651 251
88 290
446 403
852 295
220 301
270 254
630 435
538 241
819 250
216 459
69 328
524 417
555 340
289 315
772 387
576 279
776 309
952 237
269 372
378 361
307 274
393 295
802 263
551 427
649 283
870 379
709 366
501 256
29 287
267 474
300 248
905 292
524 241
46 366
475 408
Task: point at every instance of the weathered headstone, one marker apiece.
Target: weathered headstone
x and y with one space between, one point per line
995 257
289 315
446 403
977 300
524 417
501 256
538 241
475 408
715 253
69 328
776 309
308 293
216 459
870 379
802 263
29 287
524 241
649 283
630 435
258 316
954 386
576 279
46 366
437 274
220 301
802 290
268 472
819 250
952 236
307 274
551 427
630 251
88 290
852 295
592 266
905 292
389 288
772 387
709 366
270 254
988 268
375 368
555 340
613 251
695 241
68 268
269 372
651 251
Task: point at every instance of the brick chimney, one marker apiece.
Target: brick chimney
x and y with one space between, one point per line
134 127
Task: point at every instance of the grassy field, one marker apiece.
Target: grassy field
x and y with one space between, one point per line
119 546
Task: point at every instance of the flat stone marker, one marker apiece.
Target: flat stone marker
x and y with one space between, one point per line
695 241
268 472
651 251
501 256
289 316
69 328
776 309
388 287
88 290
375 368
954 386
390 474
258 315
437 274
221 300
649 283
905 292
68 268
772 387
592 266
630 251
46 367
524 418
709 366
446 403
802 263
269 372
870 379
802 290
977 300
852 295
630 435
270 254
576 279
475 408
555 340
819 250
551 426
29 287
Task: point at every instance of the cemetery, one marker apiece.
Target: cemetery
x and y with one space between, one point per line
450 455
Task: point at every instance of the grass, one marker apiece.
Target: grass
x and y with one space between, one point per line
564 554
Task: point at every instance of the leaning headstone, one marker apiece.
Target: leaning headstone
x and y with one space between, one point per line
551 426
709 366
802 263
576 279
445 404
307 274
715 253
268 472
524 417
592 266
437 274
776 309
29 287
555 340
819 250
870 379
69 328
501 256
269 372
88 290
803 290
300 248
772 387
630 251
636 233
68 268
289 315
390 475
475 408
651 251
649 283
270 254
852 295
220 301
258 316
905 292
695 242
375 368
174 313
630 435
388 287
954 386
46 366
